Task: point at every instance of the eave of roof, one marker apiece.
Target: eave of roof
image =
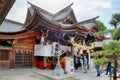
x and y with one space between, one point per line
62 14
50 24
57 25
11 27
37 17
20 35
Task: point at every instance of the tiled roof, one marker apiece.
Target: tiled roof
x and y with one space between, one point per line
11 26
55 17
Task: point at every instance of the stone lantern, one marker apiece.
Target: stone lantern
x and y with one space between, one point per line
58 71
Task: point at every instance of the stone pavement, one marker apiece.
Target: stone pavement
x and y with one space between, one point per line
37 74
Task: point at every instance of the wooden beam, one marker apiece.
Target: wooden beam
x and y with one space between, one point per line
20 36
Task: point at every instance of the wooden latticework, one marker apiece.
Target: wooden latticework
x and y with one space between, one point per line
23 59
4 58
23 53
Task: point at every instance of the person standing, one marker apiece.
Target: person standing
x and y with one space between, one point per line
108 68
76 62
81 62
98 70
85 64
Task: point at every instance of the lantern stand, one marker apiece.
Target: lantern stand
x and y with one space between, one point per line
58 71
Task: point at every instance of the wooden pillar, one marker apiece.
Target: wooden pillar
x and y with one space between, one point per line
34 63
45 62
11 60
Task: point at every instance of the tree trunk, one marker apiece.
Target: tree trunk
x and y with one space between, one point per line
115 69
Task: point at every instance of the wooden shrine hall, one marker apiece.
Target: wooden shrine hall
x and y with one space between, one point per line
17 45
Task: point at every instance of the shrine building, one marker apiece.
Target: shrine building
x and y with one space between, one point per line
25 45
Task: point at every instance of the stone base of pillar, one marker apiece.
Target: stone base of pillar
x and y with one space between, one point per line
58 71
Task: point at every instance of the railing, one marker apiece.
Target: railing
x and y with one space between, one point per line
99 44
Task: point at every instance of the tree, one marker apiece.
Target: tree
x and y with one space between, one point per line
101 25
114 48
115 21
102 29
116 34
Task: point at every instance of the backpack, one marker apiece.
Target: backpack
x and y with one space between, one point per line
111 70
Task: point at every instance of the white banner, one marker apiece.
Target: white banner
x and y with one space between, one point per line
47 50
41 50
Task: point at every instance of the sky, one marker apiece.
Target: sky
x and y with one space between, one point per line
83 9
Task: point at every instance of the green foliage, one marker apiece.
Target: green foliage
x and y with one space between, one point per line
111 47
100 25
102 33
99 33
104 60
102 29
116 34
96 53
116 51
101 52
118 65
101 61
97 62
110 31
115 21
